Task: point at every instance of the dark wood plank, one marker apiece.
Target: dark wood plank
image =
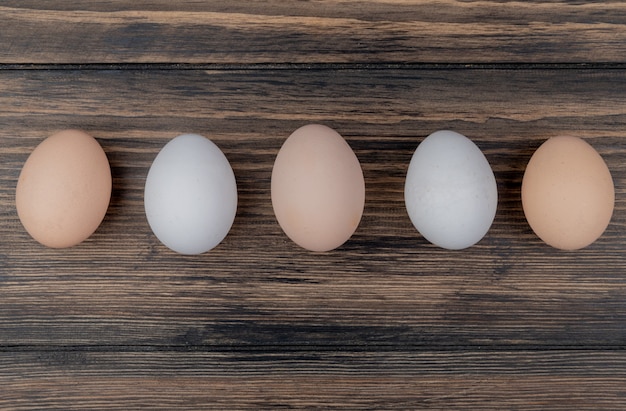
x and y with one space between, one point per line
559 380
275 31
385 289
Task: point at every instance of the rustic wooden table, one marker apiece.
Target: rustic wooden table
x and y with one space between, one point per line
385 322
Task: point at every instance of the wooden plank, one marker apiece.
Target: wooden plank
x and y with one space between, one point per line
385 288
560 380
275 31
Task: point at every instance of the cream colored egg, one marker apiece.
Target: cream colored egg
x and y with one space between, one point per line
64 188
318 189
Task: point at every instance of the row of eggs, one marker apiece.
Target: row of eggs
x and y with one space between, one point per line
317 191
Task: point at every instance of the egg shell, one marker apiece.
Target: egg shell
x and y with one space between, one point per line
190 195
567 193
450 191
64 189
318 189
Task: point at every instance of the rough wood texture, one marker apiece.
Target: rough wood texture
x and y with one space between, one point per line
313 31
314 380
385 322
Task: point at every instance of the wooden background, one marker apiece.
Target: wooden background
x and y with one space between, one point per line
385 322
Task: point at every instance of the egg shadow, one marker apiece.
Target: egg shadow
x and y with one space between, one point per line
129 160
252 161
508 158
385 224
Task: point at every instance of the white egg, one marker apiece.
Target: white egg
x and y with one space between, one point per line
450 191
190 195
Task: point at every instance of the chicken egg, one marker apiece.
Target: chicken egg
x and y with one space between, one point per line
64 189
450 191
190 195
317 188
567 193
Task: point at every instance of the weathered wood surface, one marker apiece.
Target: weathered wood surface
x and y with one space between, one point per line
315 379
277 31
385 322
123 294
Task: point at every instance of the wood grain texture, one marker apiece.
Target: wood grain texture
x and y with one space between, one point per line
386 286
275 31
122 294
387 321
313 380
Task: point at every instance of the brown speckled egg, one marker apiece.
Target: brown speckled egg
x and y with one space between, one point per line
64 189
567 193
